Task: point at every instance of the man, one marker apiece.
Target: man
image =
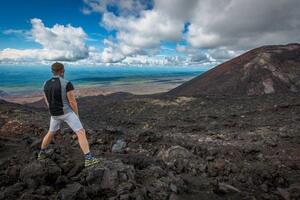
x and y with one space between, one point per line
60 98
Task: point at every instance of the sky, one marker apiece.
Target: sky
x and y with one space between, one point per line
142 32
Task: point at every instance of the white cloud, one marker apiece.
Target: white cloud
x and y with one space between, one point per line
18 32
62 43
139 31
15 31
224 28
124 7
222 53
136 35
238 24
197 37
33 55
152 60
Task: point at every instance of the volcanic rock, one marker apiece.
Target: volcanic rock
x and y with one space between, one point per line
226 188
216 167
72 191
174 153
37 173
177 157
148 136
294 191
108 176
119 146
13 191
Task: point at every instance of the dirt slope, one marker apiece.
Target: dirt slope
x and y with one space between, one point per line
265 70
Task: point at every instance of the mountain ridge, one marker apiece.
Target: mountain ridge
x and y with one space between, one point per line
263 70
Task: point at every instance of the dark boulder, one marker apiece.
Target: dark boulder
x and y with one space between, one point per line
12 192
108 176
72 191
119 146
29 196
148 136
37 173
181 160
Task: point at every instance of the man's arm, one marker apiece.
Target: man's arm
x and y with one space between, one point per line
72 101
44 95
45 99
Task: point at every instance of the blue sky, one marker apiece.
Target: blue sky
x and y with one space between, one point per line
51 12
199 33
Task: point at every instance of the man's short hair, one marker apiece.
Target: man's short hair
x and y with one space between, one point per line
57 67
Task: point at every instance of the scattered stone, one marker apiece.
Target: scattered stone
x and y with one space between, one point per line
148 136
61 181
210 158
33 174
264 187
108 175
173 197
91 132
74 137
224 188
72 191
12 192
29 196
283 193
173 188
284 134
251 149
119 146
113 130
219 164
124 197
37 173
45 190
176 157
174 153
36 144
271 142
216 167
75 169
294 191
13 173
28 140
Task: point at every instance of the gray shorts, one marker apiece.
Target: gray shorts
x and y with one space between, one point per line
70 118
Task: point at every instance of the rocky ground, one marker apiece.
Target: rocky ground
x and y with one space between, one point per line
155 147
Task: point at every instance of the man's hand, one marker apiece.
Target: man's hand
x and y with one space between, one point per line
72 101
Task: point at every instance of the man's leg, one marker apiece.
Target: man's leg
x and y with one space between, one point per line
82 140
74 122
47 139
54 126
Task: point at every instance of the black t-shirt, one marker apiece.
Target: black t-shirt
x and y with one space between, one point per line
55 90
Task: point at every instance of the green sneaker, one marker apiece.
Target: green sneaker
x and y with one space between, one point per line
42 155
91 162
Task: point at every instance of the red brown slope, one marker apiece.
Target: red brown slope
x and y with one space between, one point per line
265 70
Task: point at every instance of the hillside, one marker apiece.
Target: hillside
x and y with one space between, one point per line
265 70
174 148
